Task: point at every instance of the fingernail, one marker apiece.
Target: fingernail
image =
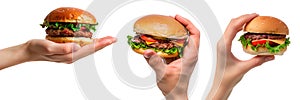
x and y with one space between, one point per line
164 60
269 58
148 53
146 56
255 14
114 39
111 40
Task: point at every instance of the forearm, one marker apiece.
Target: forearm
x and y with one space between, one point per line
179 92
13 55
177 97
221 88
219 93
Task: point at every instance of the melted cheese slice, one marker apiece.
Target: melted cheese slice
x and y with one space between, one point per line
179 44
280 41
148 43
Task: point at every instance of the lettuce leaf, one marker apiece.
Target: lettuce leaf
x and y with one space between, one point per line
247 42
279 47
72 26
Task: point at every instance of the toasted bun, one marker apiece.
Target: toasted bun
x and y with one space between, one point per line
262 51
266 24
82 41
164 55
160 26
70 15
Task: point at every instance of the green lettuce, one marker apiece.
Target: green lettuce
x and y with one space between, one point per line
247 42
135 45
72 26
279 47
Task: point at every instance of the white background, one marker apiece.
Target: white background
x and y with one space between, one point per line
20 21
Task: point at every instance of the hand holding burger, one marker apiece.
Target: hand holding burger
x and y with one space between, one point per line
229 69
265 35
173 78
70 28
45 50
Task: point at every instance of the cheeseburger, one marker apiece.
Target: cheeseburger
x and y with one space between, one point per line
69 24
162 34
265 35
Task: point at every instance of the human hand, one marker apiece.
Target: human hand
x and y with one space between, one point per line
44 50
173 78
230 70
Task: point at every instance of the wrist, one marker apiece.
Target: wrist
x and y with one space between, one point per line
26 52
31 51
179 93
222 92
22 53
180 90
177 96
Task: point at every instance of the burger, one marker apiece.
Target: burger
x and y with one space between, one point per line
162 34
265 35
69 24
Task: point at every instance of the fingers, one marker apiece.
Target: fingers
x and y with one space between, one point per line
65 48
189 25
255 61
103 42
154 60
49 48
98 44
190 53
194 32
84 51
235 26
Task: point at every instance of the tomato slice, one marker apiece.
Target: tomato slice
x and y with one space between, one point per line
261 42
148 39
256 42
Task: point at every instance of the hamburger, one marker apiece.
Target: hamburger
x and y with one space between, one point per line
69 24
162 34
265 35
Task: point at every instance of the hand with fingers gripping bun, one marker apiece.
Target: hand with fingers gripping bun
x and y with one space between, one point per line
173 75
230 70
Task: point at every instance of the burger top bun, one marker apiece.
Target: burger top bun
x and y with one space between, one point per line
266 24
70 15
160 26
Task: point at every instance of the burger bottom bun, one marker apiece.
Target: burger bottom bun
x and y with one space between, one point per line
82 41
262 51
164 55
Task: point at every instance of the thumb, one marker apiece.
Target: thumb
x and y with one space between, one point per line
256 61
155 61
